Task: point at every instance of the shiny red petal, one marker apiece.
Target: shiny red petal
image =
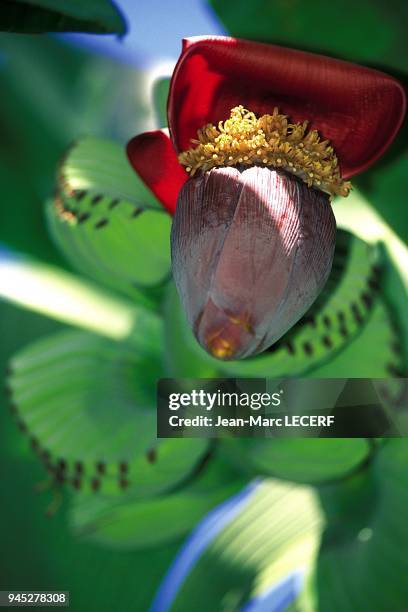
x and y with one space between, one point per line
358 109
153 157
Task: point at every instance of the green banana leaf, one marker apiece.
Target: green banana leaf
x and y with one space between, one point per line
35 16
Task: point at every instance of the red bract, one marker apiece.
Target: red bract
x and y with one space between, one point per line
358 109
153 157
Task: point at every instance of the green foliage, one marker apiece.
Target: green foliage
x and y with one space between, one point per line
35 16
363 32
357 215
52 94
388 193
310 461
67 298
268 538
361 565
348 536
160 93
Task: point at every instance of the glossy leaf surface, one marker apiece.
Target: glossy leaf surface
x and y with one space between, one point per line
264 538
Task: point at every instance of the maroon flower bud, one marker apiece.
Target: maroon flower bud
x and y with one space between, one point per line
251 249
253 235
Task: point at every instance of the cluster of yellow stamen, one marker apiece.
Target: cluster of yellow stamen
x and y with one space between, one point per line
270 140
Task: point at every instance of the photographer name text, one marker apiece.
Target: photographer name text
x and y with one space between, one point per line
253 421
